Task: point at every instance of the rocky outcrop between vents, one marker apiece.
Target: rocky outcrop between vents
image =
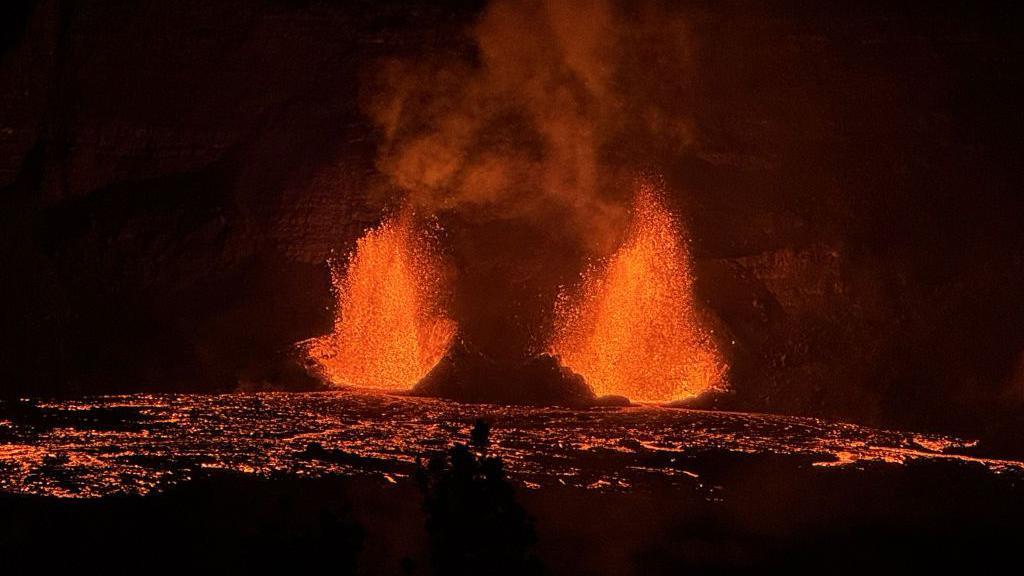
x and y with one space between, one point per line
469 376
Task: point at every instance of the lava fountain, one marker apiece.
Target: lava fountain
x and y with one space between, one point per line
631 328
389 330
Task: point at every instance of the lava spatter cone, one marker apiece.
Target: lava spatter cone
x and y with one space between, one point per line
470 376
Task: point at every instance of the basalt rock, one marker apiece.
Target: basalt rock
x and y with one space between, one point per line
469 376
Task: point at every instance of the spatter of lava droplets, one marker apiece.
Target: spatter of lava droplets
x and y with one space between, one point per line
389 330
631 327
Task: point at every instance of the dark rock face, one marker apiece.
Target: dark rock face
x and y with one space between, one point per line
172 183
469 376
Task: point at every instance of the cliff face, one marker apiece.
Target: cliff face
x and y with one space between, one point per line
175 175
174 180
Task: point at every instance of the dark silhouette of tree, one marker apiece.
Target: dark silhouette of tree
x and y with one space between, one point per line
474 524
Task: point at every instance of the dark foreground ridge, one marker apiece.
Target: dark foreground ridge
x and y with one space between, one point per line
474 523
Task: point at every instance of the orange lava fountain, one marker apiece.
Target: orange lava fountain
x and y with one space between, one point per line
388 332
633 329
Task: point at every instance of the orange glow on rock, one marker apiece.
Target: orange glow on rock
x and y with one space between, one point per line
632 328
389 330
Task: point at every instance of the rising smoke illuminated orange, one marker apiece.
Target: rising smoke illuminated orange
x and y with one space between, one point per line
631 327
388 331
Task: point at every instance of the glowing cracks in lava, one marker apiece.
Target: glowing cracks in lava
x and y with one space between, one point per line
632 327
389 330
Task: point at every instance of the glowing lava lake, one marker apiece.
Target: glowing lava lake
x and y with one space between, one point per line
139 443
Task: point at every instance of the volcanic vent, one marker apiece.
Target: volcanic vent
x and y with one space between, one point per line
632 328
523 143
389 330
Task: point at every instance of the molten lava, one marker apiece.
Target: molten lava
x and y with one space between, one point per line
389 331
633 328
